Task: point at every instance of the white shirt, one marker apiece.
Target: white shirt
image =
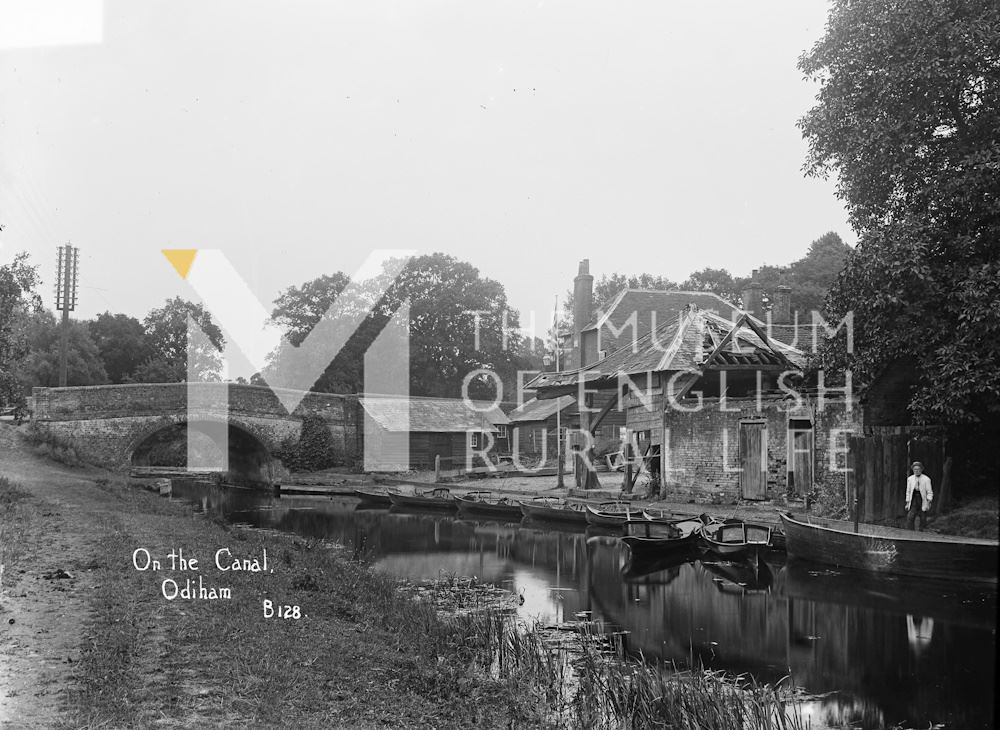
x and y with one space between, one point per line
923 483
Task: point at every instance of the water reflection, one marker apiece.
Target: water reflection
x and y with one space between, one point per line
881 651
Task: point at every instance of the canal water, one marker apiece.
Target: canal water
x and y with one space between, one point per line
872 651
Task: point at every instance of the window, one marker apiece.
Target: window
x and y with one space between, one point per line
473 440
501 430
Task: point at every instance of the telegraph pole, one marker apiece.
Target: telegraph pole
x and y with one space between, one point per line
66 280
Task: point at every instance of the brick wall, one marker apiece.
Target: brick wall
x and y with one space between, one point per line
702 445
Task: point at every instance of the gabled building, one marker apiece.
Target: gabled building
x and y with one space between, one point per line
711 405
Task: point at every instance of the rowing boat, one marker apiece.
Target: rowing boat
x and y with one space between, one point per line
554 509
373 496
646 538
612 514
737 539
488 504
438 498
889 550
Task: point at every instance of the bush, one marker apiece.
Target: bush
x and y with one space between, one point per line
51 446
314 449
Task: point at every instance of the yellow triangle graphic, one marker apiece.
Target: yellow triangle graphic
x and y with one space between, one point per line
181 259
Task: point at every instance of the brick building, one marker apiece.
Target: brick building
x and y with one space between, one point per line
713 406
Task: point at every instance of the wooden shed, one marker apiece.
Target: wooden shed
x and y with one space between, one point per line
401 434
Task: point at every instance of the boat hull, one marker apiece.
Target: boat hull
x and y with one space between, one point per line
888 550
737 540
476 508
373 496
601 518
645 547
416 501
544 513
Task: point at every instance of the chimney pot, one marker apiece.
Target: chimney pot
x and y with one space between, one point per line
753 302
584 267
781 310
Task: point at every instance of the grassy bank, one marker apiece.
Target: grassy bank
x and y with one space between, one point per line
363 653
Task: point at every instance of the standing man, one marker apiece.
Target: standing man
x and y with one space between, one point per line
918 496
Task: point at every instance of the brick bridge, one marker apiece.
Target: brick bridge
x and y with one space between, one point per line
128 425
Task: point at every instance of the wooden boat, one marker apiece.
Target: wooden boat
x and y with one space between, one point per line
890 550
735 539
438 498
554 509
645 537
373 496
660 514
488 504
612 514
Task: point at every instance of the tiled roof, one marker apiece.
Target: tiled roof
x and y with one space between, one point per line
683 344
666 304
449 415
539 410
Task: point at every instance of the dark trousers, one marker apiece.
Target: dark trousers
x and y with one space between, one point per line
916 512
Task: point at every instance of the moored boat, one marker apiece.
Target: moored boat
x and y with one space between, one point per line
612 514
645 538
889 550
373 496
660 514
438 498
554 509
488 504
737 539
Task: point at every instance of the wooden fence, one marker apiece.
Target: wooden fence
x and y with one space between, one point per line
880 464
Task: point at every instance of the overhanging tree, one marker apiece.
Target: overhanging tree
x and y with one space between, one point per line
907 117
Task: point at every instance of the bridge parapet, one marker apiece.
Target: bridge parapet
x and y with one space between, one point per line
108 422
155 399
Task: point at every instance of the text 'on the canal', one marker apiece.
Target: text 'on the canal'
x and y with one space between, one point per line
190 588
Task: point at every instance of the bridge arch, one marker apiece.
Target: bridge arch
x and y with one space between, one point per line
165 444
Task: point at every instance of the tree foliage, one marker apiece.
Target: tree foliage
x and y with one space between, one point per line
121 342
907 117
718 281
18 300
40 367
443 293
167 339
610 285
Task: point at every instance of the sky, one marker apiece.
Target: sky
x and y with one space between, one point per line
299 137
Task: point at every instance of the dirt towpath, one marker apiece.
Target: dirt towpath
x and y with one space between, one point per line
43 603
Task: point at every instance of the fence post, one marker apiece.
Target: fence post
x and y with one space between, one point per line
437 468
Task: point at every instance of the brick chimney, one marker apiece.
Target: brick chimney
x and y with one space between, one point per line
583 308
781 309
753 300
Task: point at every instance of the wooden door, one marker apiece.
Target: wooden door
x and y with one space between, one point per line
753 460
800 456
